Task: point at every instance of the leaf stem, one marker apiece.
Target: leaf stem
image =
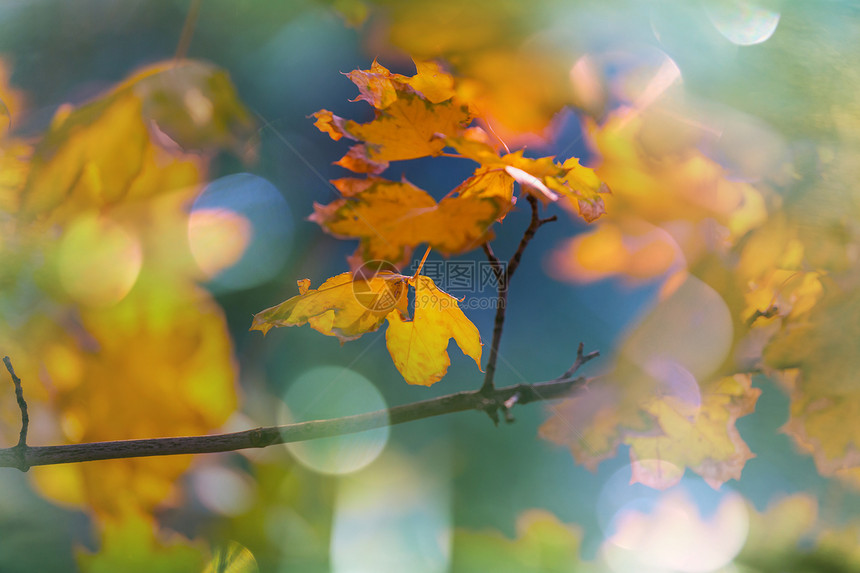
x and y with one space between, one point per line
501 398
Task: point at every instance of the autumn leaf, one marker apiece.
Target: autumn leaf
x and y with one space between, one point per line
666 397
343 306
128 144
408 128
543 543
413 115
160 364
419 347
131 544
705 440
518 84
819 355
577 185
379 87
391 218
347 307
638 252
125 332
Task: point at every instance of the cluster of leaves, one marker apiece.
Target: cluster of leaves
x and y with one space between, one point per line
768 232
772 287
417 116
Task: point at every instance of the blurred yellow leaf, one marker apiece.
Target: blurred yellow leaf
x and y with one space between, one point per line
703 438
543 544
639 252
819 355
419 347
130 544
127 145
666 397
162 367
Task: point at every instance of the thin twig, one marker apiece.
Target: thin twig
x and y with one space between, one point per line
20 450
580 360
501 398
503 278
187 30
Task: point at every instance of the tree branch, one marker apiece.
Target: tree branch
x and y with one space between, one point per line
503 277
20 449
501 398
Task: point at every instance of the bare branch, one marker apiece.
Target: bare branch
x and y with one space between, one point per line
503 277
492 401
21 447
580 360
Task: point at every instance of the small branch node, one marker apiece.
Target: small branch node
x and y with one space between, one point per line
581 359
21 446
508 405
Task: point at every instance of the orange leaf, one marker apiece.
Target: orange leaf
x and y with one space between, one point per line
409 128
391 218
413 117
542 177
343 306
419 347
379 87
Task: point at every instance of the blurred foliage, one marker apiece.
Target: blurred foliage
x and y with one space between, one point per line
727 252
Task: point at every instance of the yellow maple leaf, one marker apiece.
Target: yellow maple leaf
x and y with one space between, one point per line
666 433
819 355
408 128
704 440
413 115
343 306
419 347
378 86
390 218
127 145
668 397
347 307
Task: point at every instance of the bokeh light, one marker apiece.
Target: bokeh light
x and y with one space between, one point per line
691 327
742 23
327 392
240 231
689 528
223 490
98 261
394 516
